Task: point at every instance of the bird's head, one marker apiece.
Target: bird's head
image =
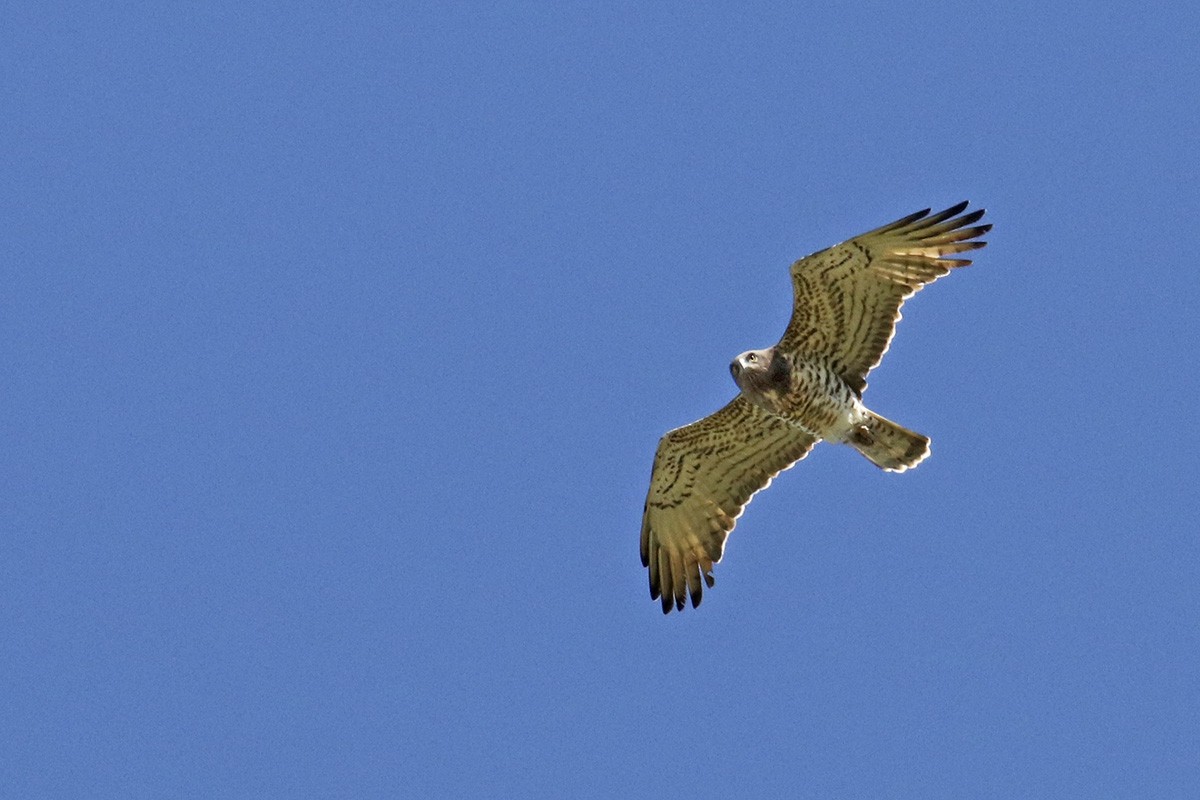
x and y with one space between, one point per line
761 371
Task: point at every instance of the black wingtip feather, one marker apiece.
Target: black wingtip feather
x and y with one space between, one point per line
695 587
967 219
913 217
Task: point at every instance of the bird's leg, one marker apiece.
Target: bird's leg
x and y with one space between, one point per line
861 436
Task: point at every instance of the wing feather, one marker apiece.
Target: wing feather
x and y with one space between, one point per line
704 476
848 297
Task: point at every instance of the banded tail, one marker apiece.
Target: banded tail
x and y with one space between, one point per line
888 445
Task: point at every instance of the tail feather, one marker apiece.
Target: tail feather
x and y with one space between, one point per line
889 445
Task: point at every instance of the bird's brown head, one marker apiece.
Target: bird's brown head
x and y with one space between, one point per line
761 371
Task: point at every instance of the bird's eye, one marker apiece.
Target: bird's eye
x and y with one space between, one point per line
752 358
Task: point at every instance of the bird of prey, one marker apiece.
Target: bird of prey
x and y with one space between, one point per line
806 388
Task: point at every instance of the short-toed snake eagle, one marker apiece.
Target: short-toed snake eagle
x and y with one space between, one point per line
806 388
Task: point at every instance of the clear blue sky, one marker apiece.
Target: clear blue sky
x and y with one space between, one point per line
337 344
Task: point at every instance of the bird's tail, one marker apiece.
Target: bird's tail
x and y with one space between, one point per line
888 445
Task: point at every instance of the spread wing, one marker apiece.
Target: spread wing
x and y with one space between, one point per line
848 297
704 475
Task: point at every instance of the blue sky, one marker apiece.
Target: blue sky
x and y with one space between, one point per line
338 343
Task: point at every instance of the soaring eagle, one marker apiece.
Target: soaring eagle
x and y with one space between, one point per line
806 388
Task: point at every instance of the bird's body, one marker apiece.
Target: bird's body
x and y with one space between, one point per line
805 392
806 388
811 396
